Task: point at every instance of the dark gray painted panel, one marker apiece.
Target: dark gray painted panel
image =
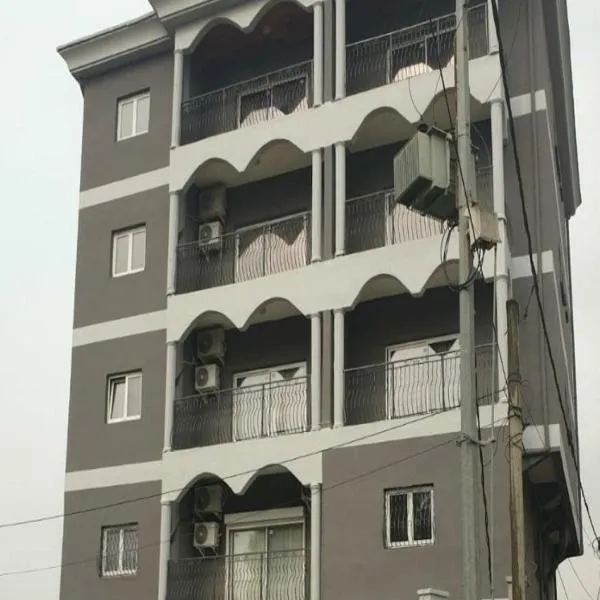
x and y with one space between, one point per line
356 564
105 160
99 296
92 443
82 541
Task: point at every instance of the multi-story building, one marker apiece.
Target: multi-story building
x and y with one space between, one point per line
265 377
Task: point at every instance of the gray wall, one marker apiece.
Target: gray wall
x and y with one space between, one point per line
105 160
92 443
356 565
82 542
99 296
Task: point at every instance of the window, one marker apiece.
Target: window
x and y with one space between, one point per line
124 397
120 550
408 517
133 116
129 251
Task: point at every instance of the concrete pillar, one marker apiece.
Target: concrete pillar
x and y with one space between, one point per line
177 97
340 199
173 238
317 207
165 547
338 367
315 371
315 541
340 49
170 373
318 53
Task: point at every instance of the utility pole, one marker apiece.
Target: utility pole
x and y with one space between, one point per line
515 436
469 437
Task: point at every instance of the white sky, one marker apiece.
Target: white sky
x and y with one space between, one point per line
40 129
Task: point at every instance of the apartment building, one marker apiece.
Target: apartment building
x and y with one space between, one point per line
265 377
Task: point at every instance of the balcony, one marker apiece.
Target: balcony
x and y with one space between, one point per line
412 386
411 51
248 253
247 412
275 575
269 96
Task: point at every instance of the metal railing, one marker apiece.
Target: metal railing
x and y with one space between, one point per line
377 220
249 253
262 576
411 51
412 387
247 103
250 412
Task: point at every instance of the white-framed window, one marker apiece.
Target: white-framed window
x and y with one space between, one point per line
128 251
133 116
409 517
124 397
120 550
270 402
266 554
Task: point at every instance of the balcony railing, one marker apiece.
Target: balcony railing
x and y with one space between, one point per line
377 220
254 411
412 387
248 253
262 576
411 51
247 103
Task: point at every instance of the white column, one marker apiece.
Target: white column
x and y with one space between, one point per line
338 367
502 275
170 374
492 36
340 199
315 371
340 49
165 547
315 541
318 54
177 97
172 247
317 206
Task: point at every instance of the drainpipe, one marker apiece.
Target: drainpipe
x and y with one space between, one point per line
315 541
169 394
315 371
165 547
340 199
177 97
172 241
317 206
338 367
318 53
340 49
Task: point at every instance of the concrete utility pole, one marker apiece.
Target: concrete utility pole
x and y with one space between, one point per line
515 436
469 441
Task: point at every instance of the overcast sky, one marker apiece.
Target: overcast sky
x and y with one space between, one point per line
40 129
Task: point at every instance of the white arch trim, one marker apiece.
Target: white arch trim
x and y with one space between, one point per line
328 285
331 122
245 17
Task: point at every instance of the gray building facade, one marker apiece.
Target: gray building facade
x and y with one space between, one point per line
265 397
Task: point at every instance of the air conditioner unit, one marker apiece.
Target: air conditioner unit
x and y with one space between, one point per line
206 535
210 235
422 178
212 204
207 378
211 343
208 499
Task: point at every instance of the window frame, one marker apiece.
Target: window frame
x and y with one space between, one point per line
135 99
112 379
129 233
409 493
120 571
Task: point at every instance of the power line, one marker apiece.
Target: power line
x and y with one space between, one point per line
535 282
564 587
579 579
426 450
